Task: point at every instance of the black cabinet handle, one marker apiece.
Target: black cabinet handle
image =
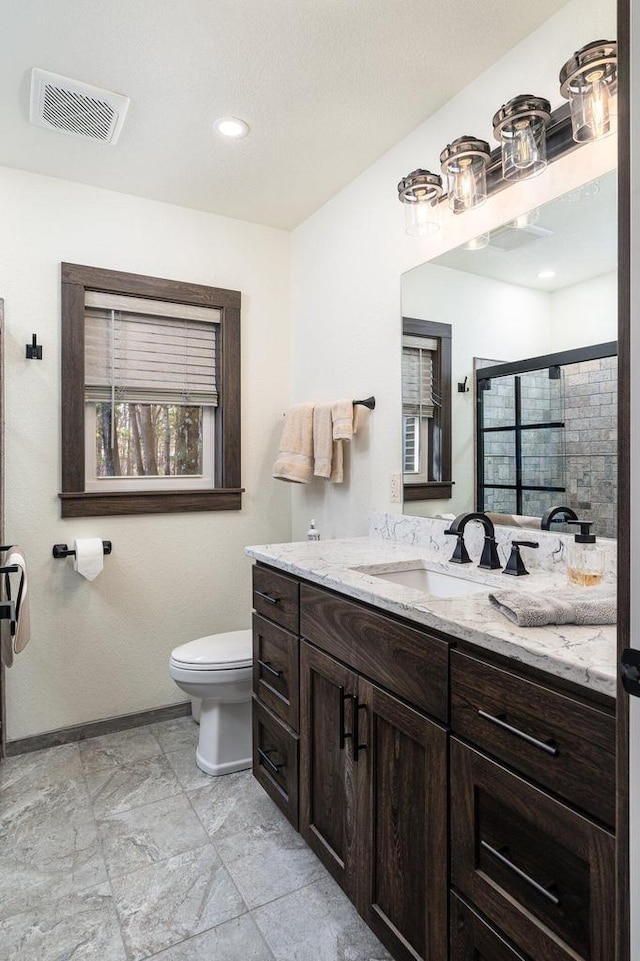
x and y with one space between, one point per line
267 597
357 707
545 892
499 720
267 666
342 734
264 757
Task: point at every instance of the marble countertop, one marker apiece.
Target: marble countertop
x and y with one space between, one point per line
584 655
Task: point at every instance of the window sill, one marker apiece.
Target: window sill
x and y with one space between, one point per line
88 504
431 491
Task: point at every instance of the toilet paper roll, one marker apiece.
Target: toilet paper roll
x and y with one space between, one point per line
89 559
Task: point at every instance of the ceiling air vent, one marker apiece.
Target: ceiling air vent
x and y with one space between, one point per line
510 238
76 108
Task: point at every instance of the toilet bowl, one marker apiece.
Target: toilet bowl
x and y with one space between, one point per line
217 670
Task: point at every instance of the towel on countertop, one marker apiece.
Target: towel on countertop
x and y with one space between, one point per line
295 456
591 606
14 636
342 418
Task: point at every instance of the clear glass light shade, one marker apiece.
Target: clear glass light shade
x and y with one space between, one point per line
521 128
589 81
524 149
467 184
477 243
593 108
421 218
525 220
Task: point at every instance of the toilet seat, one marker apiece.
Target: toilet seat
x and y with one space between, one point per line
217 652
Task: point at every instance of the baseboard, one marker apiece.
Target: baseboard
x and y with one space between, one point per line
79 732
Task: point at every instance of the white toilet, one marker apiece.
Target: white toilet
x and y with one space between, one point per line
217 669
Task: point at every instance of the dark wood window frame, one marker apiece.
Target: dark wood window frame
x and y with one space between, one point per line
227 493
439 487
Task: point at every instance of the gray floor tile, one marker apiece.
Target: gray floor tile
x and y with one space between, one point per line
268 864
121 747
151 833
114 790
234 803
332 929
82 926
179 733
183 763
236 940
37 768
167 902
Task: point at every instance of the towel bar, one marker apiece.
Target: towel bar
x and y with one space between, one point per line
61 550
368 402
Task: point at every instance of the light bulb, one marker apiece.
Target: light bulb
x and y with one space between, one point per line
464 185
524 149
598 105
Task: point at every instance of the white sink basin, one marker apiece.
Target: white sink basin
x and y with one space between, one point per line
436 583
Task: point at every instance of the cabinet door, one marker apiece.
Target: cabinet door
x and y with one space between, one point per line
402 817
327 805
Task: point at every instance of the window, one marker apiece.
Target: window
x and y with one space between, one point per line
426 409
150 395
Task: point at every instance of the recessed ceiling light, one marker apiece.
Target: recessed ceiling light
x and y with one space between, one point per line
231 127
546 274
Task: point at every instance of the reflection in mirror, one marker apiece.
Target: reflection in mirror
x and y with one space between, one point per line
545 285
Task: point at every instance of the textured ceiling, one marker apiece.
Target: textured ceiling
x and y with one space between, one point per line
327 86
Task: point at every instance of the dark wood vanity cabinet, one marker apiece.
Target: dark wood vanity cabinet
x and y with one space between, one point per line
465 807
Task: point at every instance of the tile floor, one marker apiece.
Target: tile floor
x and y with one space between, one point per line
118 848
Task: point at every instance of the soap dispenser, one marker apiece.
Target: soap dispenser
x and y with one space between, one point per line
313 534
585 562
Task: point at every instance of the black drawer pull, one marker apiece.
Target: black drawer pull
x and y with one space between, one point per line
264 757
548 746
267 666
520 873
342 734
267 597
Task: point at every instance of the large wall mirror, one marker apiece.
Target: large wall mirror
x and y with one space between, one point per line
532 399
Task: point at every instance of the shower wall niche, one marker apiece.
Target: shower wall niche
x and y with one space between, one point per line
546 434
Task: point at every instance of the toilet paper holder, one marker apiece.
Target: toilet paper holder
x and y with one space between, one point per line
62 550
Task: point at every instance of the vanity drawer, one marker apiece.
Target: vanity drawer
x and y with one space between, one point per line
541 872
562 744
275 760
472 939
411 664
276 597
275 669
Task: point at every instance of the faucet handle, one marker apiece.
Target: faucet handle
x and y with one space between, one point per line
515 564
460 554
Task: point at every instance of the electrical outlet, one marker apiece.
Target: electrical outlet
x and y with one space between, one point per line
395 491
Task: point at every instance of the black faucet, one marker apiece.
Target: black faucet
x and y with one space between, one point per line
553 512
489 557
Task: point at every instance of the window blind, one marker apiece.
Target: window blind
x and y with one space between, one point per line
143 351
418 398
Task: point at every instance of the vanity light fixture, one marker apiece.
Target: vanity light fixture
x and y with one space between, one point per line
231 127
521 127
419 193
589 82
464 163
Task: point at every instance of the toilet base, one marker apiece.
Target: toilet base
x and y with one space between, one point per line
224 744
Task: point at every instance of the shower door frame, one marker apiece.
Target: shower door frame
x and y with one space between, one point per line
516 368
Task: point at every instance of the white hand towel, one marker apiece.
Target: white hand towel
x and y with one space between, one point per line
342 417
89 559
295 456
322 440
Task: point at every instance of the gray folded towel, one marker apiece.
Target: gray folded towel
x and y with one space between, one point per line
536 610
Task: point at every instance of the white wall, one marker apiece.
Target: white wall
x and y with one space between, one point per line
100 649
489 319
348 259
585 313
